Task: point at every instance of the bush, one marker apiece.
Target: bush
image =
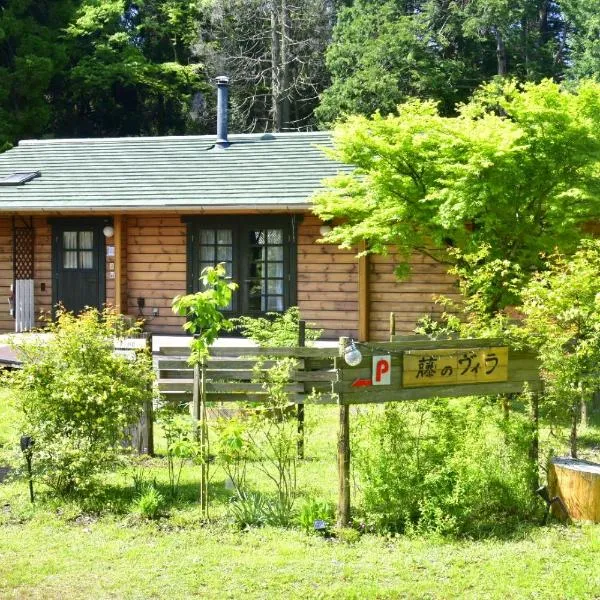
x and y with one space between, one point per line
276 329
447 467
149 502
77 398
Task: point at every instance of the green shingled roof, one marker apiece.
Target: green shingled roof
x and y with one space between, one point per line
270 171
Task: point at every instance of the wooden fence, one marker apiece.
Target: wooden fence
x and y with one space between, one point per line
466 368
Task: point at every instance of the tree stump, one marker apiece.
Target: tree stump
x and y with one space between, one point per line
577 484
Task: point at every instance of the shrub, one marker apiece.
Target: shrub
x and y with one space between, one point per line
77 398
314 510
450 467
276 329
149 502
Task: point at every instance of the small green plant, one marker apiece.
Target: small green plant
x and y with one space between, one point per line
149 503
248 510
273 436
277 329
315 511
346 534
203 310
181 434
233 451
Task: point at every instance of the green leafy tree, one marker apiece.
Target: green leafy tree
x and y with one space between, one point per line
562 320
78 398
203 310
130 69
384 52
515 173
33 56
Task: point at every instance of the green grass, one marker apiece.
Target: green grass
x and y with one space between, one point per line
69 550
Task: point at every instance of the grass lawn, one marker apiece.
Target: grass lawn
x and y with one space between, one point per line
61 551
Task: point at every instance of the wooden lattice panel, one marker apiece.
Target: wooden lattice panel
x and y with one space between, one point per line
23 253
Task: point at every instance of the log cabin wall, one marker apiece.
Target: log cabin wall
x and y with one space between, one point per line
409 299
327 283
156 269
154 260
7 323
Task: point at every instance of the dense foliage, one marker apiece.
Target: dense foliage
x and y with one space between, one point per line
562 321
450 467
123 67
513 175
78 398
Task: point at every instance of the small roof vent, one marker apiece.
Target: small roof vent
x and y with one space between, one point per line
20 178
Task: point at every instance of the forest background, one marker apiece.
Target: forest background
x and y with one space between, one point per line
91 68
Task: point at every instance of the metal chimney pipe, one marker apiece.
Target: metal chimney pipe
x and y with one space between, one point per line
222 125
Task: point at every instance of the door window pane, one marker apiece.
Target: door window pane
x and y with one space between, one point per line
207 236
275 303
86 240
275 236
275 269
274 253
70 240
275 286
224 237
86 259
207 254
70 259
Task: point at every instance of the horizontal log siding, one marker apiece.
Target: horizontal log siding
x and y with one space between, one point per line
7 323
409 299
156 268
42 269
327 283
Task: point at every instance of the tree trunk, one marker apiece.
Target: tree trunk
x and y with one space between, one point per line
500 53
275 64
285 66
573 437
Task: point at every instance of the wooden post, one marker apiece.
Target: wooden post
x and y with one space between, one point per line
300 409
392 325
343 516
363 295
118 232
203 444
534 449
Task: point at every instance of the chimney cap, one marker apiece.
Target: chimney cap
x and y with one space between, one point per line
222 80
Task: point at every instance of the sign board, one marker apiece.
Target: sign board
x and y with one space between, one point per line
382 370
130 343
425 368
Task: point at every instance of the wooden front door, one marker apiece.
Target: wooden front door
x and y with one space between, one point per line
78 265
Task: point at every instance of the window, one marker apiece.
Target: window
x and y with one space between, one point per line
78 249
259 255
19 178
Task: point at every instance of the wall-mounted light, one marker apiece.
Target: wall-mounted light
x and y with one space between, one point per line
352 355
325 228
108 231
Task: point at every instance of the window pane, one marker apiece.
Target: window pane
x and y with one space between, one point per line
255 296
275 236
70 259
86 240
275 303
275 269
70 241
275 253
224 237
207 236
86 259
224 253
207 254
257 238
275 286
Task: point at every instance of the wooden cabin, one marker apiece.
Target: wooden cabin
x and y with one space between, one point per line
131 222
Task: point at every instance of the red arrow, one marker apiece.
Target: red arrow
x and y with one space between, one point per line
362 382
